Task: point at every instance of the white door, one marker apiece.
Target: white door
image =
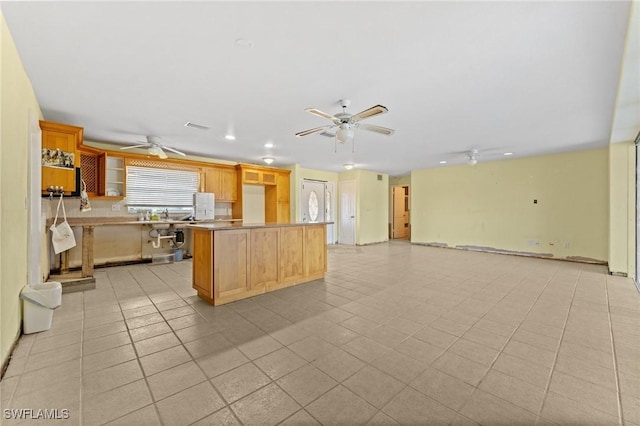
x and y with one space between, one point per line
347 233
312 201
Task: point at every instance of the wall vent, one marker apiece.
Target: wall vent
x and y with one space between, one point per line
196 126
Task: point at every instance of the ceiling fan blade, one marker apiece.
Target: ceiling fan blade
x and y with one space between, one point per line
375 110
377 129
311 131
320 113
173 150
135 146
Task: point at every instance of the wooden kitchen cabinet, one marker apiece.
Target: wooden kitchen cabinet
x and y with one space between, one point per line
59 156
113 176
222 182
235 262
258 176
276 199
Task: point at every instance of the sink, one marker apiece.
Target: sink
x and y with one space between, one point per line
159 225
179 225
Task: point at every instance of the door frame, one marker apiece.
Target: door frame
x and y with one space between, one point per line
392 212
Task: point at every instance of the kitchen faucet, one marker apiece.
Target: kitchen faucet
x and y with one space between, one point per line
165 213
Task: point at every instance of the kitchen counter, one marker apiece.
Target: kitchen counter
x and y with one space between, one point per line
241 225
238 260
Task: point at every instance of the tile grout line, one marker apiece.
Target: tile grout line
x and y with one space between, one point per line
555 357
477 387
615 357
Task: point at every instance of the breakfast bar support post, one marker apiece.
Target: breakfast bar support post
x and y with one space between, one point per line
87 251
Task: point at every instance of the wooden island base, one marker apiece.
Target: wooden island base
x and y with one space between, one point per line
232 262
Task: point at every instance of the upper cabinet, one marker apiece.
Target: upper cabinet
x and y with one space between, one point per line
255 175
223 182
59 156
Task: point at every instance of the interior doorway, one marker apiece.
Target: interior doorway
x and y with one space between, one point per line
347 232
400 225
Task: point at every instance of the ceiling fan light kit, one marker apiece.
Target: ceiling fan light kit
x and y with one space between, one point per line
345 123
348 166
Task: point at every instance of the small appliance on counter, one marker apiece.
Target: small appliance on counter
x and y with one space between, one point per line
204 206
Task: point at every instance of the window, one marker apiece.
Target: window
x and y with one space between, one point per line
149 187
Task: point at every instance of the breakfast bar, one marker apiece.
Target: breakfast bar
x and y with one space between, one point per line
235 261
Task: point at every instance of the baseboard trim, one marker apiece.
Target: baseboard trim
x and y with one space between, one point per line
5 362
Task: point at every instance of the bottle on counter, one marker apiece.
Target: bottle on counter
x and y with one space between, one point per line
141 216
147 215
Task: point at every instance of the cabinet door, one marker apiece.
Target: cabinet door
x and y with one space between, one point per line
264 256
59 157
284 188
230 274
291 253
250 176
229 185
268 178
213 181
315 244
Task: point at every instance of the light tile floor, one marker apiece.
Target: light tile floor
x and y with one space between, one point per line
395 333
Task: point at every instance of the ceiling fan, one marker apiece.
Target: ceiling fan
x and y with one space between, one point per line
154 147
345 123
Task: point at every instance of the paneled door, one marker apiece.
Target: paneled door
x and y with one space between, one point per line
347 227
400 212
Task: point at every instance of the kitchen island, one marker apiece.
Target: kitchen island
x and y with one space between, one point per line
235 261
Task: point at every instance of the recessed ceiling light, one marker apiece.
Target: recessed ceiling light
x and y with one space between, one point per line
243 42
348 166
508 153
268 145
443 162
230 137
268 160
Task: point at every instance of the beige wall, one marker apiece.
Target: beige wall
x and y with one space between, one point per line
622 197
372 199
491 205
17 99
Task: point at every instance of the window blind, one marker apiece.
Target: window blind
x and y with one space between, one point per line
152 187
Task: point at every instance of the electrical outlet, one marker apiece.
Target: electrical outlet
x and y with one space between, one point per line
115 207
566 244
533 242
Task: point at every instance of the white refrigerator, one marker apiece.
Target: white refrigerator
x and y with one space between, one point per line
204 206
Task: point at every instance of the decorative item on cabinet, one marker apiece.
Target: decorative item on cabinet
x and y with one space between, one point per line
59 157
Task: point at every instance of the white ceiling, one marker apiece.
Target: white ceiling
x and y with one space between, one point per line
525 77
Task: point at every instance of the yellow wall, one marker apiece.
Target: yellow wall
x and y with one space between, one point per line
17 99
372 199
491 205
622 212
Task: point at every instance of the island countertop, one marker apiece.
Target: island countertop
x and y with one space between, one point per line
216 226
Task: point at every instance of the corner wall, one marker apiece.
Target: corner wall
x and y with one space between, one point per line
622 208
16 100
491 205
372 200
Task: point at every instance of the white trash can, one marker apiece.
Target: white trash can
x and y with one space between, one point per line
39 302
